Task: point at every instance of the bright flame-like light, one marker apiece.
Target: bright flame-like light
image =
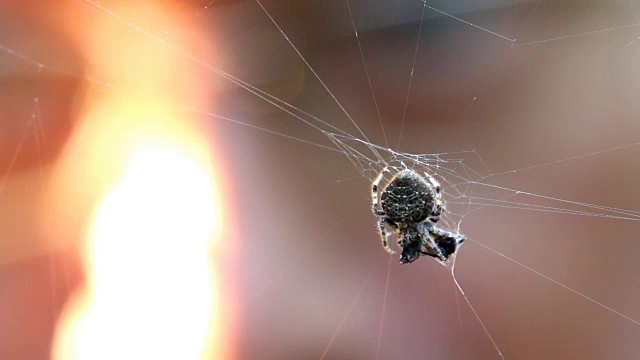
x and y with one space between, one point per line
144 172
150 291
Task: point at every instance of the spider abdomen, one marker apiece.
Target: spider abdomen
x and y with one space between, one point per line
407 198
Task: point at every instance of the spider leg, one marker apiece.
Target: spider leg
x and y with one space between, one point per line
383 232
375 194
439 207
439 243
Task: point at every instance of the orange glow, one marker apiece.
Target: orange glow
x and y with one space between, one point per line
142 173
149 272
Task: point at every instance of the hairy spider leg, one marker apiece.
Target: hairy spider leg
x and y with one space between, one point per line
375 206
439 208
375 194
383 232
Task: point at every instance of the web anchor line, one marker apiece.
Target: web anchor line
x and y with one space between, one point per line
315 74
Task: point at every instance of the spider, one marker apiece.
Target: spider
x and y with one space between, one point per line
411 205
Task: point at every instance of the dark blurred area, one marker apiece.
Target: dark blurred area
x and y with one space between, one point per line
313 272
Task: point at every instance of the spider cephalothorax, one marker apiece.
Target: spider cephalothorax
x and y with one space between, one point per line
411 205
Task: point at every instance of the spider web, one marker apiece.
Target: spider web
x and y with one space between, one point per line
471 190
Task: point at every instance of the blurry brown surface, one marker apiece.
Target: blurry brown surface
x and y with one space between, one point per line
33 294
37 273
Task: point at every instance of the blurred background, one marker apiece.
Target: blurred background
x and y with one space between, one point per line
297 263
